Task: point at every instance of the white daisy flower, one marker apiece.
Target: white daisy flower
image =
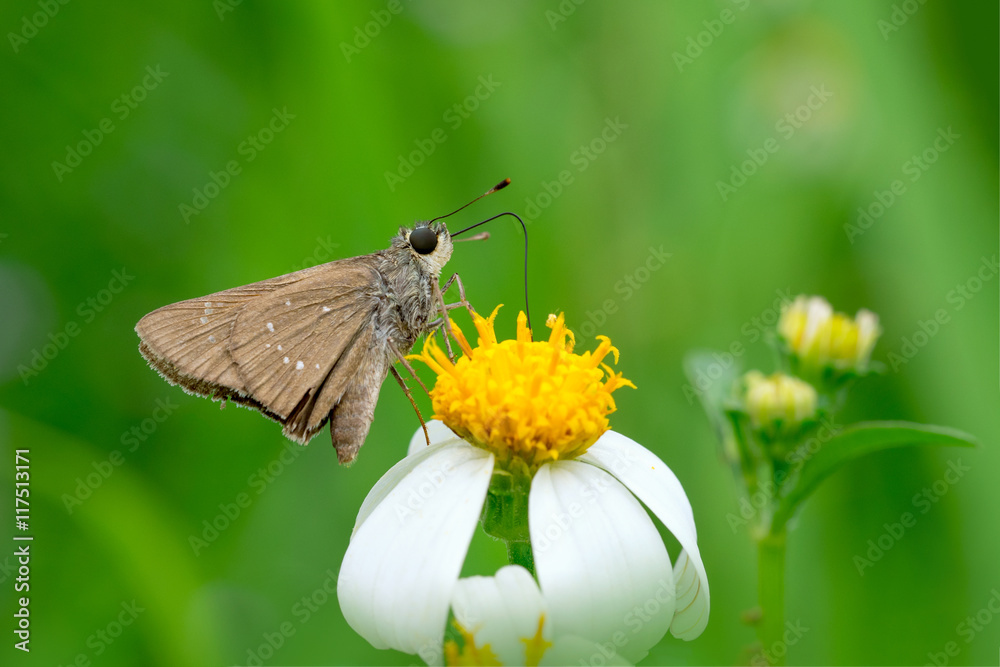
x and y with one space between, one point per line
535 411
504 620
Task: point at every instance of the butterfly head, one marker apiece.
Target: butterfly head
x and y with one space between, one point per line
430 244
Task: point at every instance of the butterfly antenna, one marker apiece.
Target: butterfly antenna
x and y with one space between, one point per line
499 186
527 313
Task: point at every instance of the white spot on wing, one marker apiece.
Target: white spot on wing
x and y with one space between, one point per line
209 311
204 320
286 360
270 327
326 309
317 366
280 349
299 365
211 339
267 345
208 304
288 303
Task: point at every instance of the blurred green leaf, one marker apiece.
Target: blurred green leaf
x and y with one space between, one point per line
135 525
856 441
711 376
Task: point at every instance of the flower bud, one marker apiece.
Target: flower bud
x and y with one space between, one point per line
820 339
778 405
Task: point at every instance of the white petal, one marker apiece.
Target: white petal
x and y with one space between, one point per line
692 597
868 333
400 569
396 473
657 486
438 433
573 650
504 610
500 611
602 566
819 312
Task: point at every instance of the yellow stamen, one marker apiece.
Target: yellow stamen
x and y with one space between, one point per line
469 655
535 647
535 401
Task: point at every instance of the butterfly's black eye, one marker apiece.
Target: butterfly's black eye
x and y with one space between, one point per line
423 240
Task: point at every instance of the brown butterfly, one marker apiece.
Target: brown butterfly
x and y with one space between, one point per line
313 346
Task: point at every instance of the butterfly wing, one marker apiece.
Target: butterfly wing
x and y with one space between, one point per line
352 417
188 342
291 347
300 348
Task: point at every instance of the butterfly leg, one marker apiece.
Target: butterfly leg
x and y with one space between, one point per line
461 294
406 364
406 390
445 320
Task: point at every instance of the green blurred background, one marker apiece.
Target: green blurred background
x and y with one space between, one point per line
885 79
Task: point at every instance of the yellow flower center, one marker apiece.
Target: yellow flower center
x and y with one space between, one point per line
536 401
468 655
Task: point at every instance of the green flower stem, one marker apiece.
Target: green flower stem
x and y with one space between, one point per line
505 516
771 593
519 553
747 461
